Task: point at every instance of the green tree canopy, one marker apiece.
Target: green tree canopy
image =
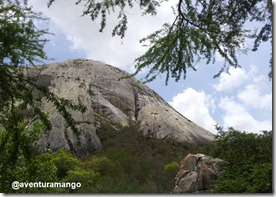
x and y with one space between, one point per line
248 162
21 46
201 29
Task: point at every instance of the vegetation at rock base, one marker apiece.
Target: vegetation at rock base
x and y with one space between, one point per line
132 163
128 162
248 162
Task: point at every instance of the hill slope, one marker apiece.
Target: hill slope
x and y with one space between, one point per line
109 100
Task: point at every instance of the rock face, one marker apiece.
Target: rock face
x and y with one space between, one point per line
196 173
97 86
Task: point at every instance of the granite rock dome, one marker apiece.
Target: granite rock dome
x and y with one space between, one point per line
121 102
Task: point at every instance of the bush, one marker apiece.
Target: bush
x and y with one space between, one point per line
65 162
248 162
172 167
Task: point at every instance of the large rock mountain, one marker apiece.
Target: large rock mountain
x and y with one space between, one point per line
108 99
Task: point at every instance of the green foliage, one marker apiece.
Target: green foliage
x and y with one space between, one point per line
260 178
241 148
201 29
11 148
65 162
127 163
248 162
132 163
173 166
101 9
148 165
18 158
256 179
22 45
88 179
40 168
21 42
21 121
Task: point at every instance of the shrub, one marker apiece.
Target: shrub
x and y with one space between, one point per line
172 167
248 162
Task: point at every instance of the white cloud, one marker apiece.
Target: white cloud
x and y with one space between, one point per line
84 33
196 106
252 97
237 117
233 79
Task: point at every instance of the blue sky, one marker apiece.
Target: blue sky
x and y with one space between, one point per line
242 100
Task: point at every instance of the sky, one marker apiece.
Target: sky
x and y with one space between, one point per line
241 99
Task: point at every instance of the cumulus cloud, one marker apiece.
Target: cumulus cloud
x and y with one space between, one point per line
237 117
252 97
233 79
249 92
196 106
84 33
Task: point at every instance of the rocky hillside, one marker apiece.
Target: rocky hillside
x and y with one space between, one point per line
109 100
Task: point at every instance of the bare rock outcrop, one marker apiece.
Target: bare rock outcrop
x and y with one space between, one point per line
196 173
97 86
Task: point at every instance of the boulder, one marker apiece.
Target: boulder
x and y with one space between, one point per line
196 174
109 98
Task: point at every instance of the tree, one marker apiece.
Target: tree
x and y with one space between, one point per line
200 30
21 46
247 165
18 155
